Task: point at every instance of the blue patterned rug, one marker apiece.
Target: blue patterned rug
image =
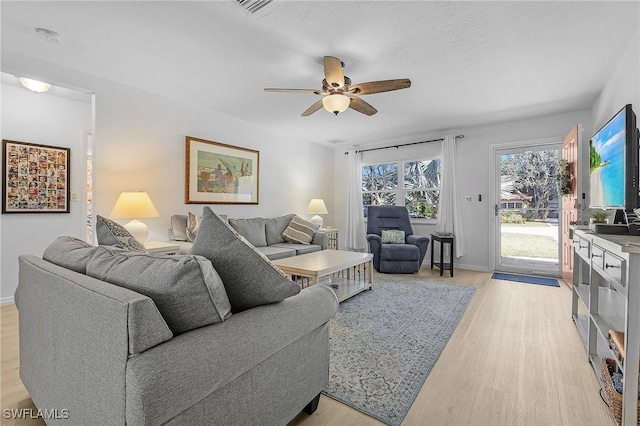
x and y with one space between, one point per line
384 343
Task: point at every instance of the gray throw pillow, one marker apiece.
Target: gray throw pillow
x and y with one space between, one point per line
300 231
249 276
70 253
110 233
274 227
186 289
253 230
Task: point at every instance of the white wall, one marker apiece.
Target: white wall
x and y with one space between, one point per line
49 120
139 144
475 162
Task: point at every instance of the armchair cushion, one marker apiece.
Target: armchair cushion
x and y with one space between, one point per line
392 236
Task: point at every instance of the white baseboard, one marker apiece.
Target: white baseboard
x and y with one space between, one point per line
472 267
6 300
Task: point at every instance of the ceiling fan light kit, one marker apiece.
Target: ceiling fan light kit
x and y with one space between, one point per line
336 103
338 94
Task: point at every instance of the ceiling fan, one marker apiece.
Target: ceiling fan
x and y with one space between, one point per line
338 94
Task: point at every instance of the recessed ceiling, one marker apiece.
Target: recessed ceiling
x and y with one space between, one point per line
470 62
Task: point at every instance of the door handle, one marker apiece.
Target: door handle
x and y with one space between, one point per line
496 209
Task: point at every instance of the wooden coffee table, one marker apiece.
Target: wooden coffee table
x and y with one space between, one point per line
347 272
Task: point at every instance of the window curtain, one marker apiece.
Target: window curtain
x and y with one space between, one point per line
449 217
355 238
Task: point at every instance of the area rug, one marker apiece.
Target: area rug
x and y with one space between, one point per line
384 343
526 279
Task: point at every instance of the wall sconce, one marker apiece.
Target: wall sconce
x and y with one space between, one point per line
35 85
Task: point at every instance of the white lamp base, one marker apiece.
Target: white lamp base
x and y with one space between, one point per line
139 230
317 219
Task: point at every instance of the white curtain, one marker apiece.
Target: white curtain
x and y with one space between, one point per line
449 217
355 238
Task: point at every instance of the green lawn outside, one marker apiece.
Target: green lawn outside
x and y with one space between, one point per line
528 224
525 245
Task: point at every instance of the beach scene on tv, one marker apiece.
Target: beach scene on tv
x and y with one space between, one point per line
607 163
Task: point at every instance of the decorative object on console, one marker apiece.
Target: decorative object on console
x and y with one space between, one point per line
317 207
35 178
110 233
135 205
217 173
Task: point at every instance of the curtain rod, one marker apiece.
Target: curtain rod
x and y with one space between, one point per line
404 144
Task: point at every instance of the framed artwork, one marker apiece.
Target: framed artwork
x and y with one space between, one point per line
218 173
35 178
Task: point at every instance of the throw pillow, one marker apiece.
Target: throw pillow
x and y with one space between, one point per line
186 289
392 236
249 276
70 253
193 223
300 231
110 233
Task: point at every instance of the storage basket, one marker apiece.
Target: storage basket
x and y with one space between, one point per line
614 399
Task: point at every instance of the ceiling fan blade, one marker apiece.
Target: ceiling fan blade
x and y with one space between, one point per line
362 106
380 86
333 71
313 108
269 89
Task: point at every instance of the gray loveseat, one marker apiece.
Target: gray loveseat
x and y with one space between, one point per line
101 353
264 233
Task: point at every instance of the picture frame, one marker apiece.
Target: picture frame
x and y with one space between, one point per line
35 178
217 173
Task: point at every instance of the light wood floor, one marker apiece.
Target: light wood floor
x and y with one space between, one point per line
514 359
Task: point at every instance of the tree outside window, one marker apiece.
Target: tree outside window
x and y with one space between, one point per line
414 184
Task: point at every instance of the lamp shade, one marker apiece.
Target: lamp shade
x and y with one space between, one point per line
336 103
317 206
133 205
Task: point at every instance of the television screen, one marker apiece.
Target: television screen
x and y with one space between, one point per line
607 155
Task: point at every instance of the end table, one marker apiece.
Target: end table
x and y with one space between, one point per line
443 239
159 247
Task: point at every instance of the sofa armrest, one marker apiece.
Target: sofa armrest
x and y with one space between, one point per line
321 238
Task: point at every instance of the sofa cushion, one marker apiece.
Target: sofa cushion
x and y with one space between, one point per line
70 253
193 223
252 229
392 236
275 226
298 248
248 275
274 252
178 230
299 230
110 233
186 289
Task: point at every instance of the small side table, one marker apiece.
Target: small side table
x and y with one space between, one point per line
443 239
159 247
333 237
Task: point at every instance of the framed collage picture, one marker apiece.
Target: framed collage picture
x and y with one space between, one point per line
35 178
217 173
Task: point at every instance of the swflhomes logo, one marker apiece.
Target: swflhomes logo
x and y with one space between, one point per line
29 413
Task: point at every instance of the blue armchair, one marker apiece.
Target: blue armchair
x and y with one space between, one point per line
404 258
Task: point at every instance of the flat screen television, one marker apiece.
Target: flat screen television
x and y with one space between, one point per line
613 168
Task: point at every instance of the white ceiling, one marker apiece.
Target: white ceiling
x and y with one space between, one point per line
470 62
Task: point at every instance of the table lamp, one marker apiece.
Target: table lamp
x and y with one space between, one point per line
317 207
135 205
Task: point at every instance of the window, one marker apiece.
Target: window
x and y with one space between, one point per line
414 184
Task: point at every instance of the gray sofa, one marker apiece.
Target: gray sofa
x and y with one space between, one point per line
101 353
264 233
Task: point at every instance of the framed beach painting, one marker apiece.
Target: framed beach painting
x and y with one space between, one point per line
218 173
35 178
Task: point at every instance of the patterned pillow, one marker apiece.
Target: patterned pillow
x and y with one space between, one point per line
193 223
300 231
248 275
110 233
392 236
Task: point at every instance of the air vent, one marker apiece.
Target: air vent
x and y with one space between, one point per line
253 5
